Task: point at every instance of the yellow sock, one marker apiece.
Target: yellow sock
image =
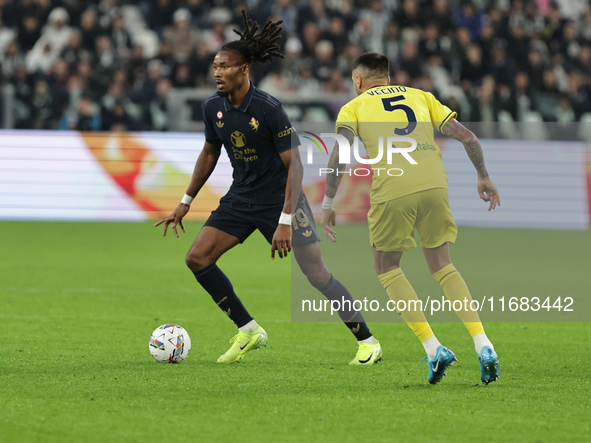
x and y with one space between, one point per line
398 288
455 288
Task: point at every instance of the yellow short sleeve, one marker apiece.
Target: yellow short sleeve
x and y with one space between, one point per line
440 114
347 119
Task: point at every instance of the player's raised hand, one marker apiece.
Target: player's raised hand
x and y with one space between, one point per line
281 241
175 219
488 192
328 220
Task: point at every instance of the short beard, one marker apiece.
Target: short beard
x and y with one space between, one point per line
223 94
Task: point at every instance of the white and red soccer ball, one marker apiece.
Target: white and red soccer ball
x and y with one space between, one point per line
170 343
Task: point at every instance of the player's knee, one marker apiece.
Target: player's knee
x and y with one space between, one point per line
382 266
378 268
317 276
196 261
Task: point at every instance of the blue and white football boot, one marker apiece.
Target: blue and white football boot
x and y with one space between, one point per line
490 369
438 365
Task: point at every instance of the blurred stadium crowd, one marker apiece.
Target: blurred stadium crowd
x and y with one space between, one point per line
110 65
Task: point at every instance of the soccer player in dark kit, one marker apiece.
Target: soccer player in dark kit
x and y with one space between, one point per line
256 133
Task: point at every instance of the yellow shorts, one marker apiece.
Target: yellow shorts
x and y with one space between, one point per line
392 224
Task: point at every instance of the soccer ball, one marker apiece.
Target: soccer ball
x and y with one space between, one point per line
170 344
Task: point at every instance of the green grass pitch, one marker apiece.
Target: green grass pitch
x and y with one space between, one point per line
78 302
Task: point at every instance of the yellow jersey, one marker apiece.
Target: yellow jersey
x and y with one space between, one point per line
398 111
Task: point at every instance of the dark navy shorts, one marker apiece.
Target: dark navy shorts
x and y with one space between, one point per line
241 219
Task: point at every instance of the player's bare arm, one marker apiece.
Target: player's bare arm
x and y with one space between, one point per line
282 238
486 189
203 168
333 180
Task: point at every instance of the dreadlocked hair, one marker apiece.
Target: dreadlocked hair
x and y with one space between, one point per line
253 47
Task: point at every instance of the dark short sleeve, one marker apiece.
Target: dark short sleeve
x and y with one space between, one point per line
283 133
210 134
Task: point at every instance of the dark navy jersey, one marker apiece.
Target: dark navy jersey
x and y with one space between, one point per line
254 134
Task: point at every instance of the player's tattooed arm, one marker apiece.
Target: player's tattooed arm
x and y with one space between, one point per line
486 189
455 129
333 179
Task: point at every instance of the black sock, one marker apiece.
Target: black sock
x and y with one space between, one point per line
215 282
334 290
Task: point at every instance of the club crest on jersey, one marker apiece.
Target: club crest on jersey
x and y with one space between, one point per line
254 124
219 124
238 139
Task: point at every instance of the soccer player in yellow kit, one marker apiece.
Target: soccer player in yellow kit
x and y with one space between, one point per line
410 191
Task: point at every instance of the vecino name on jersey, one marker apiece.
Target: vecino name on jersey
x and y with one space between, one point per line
387 90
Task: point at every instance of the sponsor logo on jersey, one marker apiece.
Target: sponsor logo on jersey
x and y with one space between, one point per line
238 139
287 131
